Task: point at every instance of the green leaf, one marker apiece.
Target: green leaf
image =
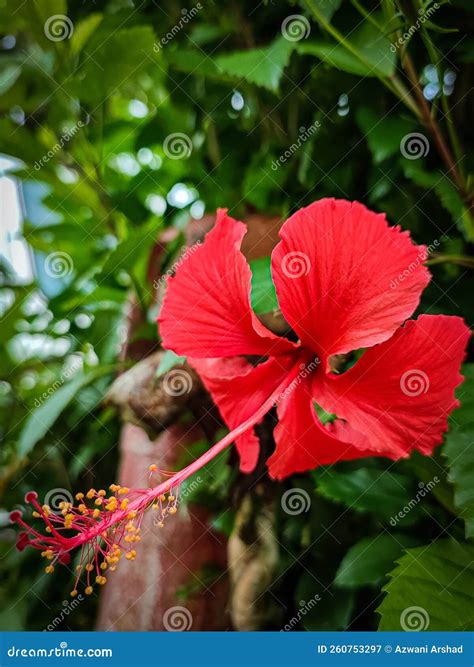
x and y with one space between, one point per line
447 195
168 361
383 135
263 296
83 31
327 8
432 588
321 608
465 394
380 492
378 59
264 67
459 450
368 561
42 418
117 61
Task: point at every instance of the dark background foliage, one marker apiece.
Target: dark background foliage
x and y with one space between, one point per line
242 93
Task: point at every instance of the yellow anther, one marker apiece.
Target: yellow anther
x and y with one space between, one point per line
114 487
46 509
102 493
171 498
73 593
79 496
62 504
124 504
172 510
48 529
123 489
78 568
103 565
113 568
36 515
89 567
49 554
160 524
88 590
132 514
91 493
98 501
49 568
96 514
162 497
153 467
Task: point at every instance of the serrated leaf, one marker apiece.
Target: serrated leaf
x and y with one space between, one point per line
459 450
264 67
379 492
435 584
368 562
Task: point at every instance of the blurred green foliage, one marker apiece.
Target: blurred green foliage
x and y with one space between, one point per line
119 132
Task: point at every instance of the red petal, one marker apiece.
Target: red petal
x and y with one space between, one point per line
239 389
206 310
400 393
336 272
302 442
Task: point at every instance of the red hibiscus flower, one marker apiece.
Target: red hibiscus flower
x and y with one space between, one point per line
345 280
